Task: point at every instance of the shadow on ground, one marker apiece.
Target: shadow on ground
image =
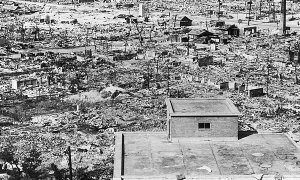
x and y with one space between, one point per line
243 134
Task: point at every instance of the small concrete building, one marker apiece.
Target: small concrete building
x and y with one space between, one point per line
255 91
150 156
233 30
250 30
224 85
19 83
202 118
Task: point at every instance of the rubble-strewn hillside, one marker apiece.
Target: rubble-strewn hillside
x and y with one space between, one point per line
73 75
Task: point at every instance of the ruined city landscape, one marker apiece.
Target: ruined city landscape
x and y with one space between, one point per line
149 89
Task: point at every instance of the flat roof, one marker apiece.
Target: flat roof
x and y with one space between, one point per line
201 107
150 154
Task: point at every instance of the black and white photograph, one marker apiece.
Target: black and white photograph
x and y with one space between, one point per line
149 89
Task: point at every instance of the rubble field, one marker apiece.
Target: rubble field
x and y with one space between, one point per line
71 75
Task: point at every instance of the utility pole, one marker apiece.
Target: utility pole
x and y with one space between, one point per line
148 84
156 75
188 46
260 8
283 17
94 38
70 162
175 20
168 81
296 78
269 3
274 16
298 48
23 29
219 13
250 4
156 65
23 32
86 40
268 66
247 84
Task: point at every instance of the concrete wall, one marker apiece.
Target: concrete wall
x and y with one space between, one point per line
218 177
119 156
14 84
188 127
